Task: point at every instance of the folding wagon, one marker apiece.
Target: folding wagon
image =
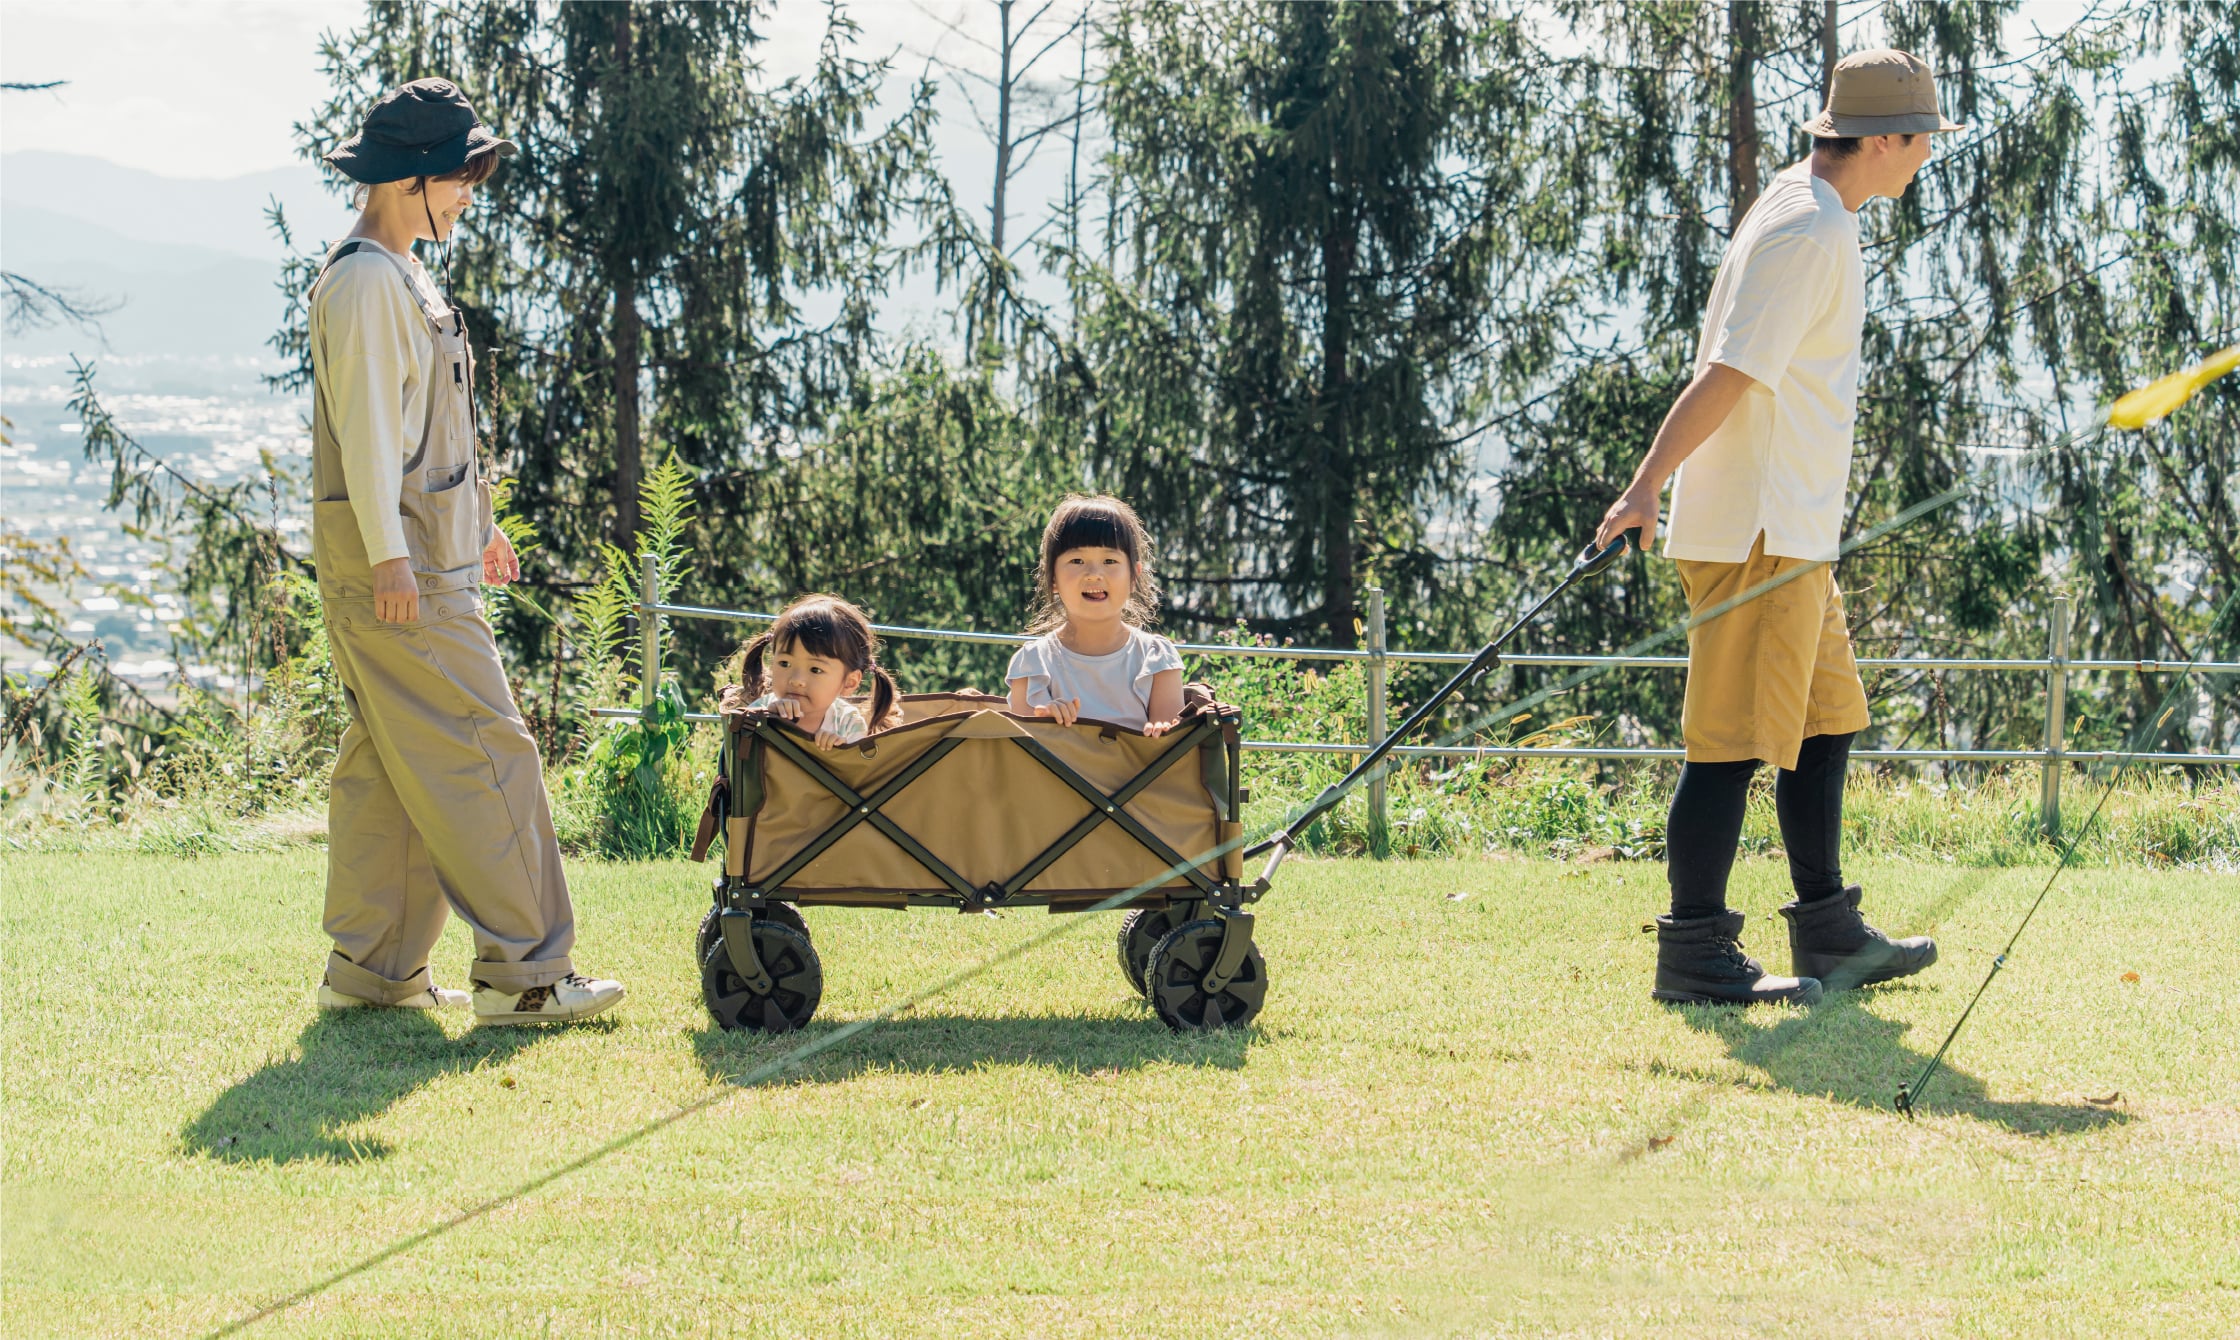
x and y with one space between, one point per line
966 806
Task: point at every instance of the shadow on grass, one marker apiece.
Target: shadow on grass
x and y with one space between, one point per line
349 1065
926 1043
1842 1050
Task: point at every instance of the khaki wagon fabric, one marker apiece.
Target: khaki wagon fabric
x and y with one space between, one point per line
1771 672
986 809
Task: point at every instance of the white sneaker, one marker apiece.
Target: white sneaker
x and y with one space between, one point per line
571 998
434 998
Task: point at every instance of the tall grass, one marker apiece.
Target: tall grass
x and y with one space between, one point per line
634 794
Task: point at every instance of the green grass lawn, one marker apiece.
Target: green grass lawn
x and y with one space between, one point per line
1460 1114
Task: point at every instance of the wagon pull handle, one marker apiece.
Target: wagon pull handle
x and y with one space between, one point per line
1590 562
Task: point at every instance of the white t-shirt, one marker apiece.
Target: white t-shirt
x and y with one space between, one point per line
1114 687
844 719
1785 311
372 356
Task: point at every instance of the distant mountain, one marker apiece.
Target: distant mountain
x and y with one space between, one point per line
176 299
225 216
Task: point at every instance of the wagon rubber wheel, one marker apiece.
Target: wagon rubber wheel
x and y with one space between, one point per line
711 926
796 977
1178 967
1141 930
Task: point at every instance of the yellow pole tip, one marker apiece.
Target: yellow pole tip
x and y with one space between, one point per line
2158 400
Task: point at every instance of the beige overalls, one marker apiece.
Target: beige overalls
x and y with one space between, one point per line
438 795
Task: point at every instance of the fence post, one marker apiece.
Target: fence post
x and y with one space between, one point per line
2057 686
1379 817
649 627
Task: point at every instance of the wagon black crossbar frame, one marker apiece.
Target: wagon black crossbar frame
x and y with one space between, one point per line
1212 736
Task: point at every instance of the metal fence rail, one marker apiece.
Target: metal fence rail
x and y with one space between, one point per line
2057 666
1376 597
1603 752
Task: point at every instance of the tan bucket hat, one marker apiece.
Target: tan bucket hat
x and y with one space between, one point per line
1880 93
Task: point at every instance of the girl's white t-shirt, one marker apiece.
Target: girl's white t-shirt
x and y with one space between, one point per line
1114 687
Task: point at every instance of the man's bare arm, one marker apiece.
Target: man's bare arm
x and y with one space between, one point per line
1707 402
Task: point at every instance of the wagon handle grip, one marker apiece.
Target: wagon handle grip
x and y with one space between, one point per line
1590 562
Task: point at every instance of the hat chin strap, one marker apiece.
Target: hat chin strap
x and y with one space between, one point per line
442 240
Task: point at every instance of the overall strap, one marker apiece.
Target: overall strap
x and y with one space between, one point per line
357 245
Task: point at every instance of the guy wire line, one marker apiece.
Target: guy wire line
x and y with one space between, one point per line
2135 410
1066 926
2143 740
731 1089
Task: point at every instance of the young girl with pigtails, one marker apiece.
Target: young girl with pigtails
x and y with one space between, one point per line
818 654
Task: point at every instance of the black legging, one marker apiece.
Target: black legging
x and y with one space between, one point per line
1705 825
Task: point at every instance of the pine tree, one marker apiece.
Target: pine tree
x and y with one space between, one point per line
2077 239
684 252
1317 211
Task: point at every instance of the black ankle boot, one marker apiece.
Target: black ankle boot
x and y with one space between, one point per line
1700 962
1830 940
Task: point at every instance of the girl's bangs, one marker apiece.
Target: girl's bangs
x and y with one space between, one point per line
820 630
1093 527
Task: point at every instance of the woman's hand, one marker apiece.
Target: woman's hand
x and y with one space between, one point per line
500 566
1065 712
396 597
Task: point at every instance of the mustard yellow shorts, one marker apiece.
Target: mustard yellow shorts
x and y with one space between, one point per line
1771 672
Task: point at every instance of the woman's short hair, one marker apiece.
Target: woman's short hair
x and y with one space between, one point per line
473 172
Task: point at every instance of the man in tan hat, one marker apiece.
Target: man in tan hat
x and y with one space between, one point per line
1765 430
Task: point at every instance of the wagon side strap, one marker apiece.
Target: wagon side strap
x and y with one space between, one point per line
1183 745
862 809
1102 807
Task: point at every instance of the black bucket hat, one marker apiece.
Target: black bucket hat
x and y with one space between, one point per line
424 129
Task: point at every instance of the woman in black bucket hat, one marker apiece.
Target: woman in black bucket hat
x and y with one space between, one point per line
423 129
438 800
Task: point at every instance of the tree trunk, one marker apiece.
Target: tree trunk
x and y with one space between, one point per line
1073 170
1828 39
628 465
1338 501
1003 128
1742 109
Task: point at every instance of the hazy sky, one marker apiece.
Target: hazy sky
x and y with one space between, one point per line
211 88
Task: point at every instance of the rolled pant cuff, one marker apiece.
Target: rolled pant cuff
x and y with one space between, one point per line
519 977
353 980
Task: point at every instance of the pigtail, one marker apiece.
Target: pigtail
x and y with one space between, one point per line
885 709
752 677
